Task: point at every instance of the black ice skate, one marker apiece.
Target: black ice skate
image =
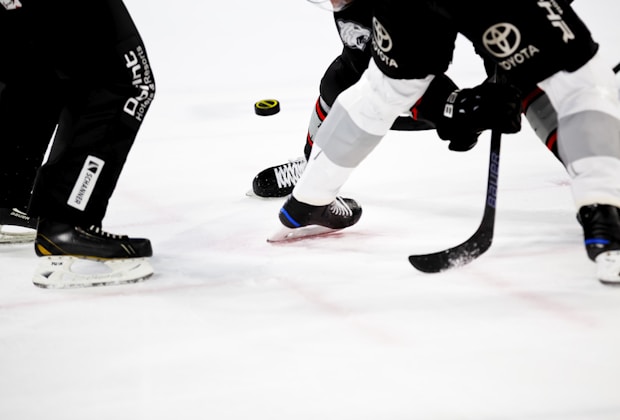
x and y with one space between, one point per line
601 228
61 245
301 220
16 226
278 181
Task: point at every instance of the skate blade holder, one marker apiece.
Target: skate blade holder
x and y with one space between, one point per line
286 234
63 272
608 268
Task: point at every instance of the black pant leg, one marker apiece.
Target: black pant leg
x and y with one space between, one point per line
30 103
110 89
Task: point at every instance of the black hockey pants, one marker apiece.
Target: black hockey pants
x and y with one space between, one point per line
82 67
528 39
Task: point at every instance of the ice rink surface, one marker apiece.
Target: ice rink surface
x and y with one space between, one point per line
337 328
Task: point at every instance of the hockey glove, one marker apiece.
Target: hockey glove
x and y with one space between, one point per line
430 109
485 107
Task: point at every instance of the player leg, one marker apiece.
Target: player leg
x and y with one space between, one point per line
26 127
364 113
589 144
110 89
28 114
354 28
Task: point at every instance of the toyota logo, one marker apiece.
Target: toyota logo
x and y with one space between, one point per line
382 39
501 39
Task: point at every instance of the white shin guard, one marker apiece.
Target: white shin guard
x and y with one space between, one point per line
595 180
321 180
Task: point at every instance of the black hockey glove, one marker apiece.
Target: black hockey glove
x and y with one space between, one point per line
430 109
460 139
485 107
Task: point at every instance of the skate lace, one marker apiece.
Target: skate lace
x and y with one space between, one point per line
288 174
98 231
340 208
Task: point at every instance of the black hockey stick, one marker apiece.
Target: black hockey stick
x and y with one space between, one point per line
481 240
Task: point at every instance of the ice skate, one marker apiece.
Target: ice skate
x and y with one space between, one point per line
72 256
303 220
16 226
278 181
601 227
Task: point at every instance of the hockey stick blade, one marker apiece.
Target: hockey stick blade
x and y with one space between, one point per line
481 240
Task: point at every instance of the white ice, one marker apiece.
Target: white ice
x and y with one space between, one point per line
337 328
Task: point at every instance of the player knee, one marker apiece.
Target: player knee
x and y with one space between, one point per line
590 88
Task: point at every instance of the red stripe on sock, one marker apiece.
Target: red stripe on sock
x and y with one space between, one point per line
552 139
320 111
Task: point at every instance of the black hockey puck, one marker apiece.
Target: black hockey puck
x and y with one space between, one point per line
267 107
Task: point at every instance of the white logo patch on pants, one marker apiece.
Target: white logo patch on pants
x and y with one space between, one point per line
11 4
85 184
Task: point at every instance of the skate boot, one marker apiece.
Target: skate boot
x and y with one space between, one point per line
16 226
73 256
278 181
301 220
601 228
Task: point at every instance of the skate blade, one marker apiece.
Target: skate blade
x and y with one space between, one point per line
252 194
64 272
16 234
279 196
287 234
608 268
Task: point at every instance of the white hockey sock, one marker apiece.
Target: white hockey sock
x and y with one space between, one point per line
321 180
596 180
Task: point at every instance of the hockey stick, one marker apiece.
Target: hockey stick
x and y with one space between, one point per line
481 240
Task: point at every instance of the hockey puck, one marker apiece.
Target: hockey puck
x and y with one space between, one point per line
267 107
